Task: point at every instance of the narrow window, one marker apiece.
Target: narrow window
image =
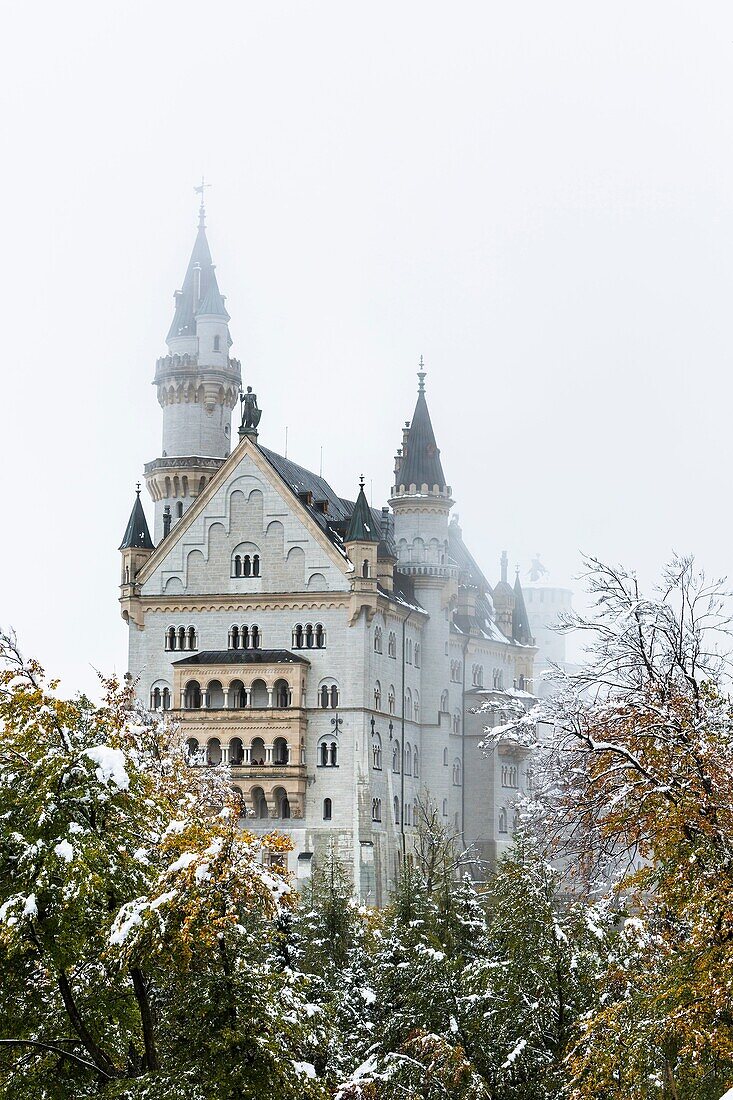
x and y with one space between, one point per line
327 809
309 636
166 699
179 509
298 637
256 565
255 637
247 566
324 696
244 638
365 568
320 637
216 343
191 638
237 565
181 637
334 754
324 755
334 697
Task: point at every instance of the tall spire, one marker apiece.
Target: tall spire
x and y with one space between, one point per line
361 524
420 464
137 535
520 619
199 283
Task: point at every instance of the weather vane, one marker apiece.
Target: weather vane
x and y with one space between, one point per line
200 189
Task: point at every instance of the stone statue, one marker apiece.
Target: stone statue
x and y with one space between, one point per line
250 413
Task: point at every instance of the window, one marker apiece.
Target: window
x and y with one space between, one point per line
391 699
181 637
396 763
417 655
309 636
396 809
445 807
444 702
407 813
376 809
327 752
155 699
281 694
179 509
376 751
457 722
415 763
365 568
456 772
392 645
416 707
327 809
408 651
245 564
192 695
415 813
445 758
216 343
235 753
377 639
502 821
244 637
377 696
408 759
329 696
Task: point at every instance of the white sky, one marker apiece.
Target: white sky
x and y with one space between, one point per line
535 196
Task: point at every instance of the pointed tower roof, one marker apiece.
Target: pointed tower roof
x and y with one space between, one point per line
520 619
197 282
361 524
213 304
421 456
136 533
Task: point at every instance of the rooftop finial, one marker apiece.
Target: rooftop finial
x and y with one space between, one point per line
421 375
202 212
361 481
137 488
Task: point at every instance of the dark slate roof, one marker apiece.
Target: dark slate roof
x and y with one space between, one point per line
244 657
184 323
520 619
213 303
420 454
361 525
465 560
335 522
137 533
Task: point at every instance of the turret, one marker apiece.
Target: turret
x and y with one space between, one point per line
504 599
197 384
135 548
362 541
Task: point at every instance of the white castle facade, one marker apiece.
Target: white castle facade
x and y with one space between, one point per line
332 655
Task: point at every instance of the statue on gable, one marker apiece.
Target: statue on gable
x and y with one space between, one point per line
250 413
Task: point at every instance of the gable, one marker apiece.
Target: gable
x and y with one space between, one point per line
246 522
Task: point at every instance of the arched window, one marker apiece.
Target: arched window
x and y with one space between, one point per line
170 638
324 697
416 707
407 813
192 750
246 566
280 752
408 652
456 772
408 758
298 636
282 694
444 702
192 695
391 699
166 699
191 638
365 567
255 638
377 696
237 697
327 752
417 655
415 763
376 809
216 343
179 509
445 807
257 752
234 637
376 751
396 810
457 722
181 637
258 694
259 802
327 809
377 639
213 751
392 644
334 696
282 802
320 637
408 704
502 821
309 636
236 751
214 695
155 699
256 572
445 758
237 565
396 763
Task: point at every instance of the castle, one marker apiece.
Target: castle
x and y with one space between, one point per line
332 655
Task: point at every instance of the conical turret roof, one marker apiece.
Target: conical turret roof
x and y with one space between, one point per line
520 619
361 524
136 533
421 456
213 304
196 286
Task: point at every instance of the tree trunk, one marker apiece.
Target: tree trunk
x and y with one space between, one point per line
147 1017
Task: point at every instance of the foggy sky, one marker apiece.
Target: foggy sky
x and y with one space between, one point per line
537 197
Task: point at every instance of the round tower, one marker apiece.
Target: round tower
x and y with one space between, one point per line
197 384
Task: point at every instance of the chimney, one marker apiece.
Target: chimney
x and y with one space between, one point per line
166 521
